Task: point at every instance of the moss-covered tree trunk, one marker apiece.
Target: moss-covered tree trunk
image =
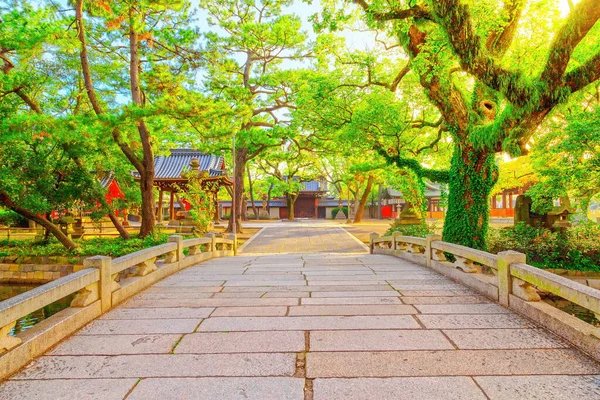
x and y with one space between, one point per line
471 179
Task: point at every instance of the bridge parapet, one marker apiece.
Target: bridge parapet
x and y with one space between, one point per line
100 286
506 278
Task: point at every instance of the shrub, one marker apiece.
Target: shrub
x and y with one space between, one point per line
576 248
113 247
420 230
336 209
11 218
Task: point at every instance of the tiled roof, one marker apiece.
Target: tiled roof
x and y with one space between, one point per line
106 178
171 167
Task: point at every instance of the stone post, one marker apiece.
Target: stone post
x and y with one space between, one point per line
394 236
104 264
234 247
505 258
372 237
213 242
178 239
429 251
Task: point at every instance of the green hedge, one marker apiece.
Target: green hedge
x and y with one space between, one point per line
576 248
336 209
114 247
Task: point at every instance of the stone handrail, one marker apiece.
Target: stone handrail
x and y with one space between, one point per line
101 285
507 279
25 303
121 263
575 292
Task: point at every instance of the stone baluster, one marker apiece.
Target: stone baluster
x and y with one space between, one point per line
372 237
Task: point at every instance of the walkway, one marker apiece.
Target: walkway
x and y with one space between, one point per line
309 326
304 237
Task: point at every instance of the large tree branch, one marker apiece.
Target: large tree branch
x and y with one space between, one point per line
443 93
582 76
578 24
433 175
499 41
413 12
456 20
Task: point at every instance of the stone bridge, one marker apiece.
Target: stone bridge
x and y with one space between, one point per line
319 319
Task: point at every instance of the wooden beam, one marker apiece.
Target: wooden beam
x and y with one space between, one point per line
159 217
172 206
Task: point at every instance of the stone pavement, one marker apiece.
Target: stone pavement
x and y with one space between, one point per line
304 237
308 326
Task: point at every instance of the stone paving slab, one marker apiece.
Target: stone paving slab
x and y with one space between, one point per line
347 283
242 342
549 387
167 365
265 283
357 293
445 300
491 321
352 310
462 309
80 389
116 344
307 323
158 313
186 283
203 303
219 389
447 388
438 292
194 289
242 295
168 296
350 300
286 294
374 340
139 326
273 311
448 363
310 288
504 339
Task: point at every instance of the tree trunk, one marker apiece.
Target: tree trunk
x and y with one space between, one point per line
254 209
46 224
473 174
244 207
291 205
269 199
147 174
147 189
363 200
122 231
241 155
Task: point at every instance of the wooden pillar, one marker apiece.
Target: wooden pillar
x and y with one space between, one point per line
172 206
159 216
316 208
216 206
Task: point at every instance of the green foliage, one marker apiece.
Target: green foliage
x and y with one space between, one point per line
335 211
11 218
202 207
576 248
113 247
421 230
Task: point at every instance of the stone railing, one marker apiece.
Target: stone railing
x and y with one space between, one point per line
505 278
100 285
